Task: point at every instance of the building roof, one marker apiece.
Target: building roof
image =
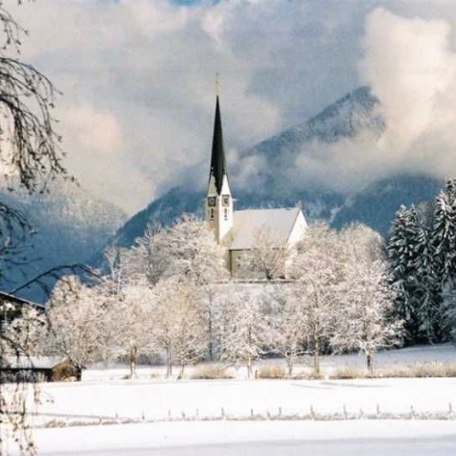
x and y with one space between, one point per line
247 224
218 162
33 362
7 297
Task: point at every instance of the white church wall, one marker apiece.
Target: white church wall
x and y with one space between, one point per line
298 230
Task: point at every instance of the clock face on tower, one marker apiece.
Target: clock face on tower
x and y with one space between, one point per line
211 201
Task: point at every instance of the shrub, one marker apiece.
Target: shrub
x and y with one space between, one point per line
308 375
417 371
346 373
422 370
435 370
211 372
65 371
273 372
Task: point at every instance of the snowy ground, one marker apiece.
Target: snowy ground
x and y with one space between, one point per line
141 400
254 439
169 414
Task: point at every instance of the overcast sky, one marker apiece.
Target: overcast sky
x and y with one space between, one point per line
137 76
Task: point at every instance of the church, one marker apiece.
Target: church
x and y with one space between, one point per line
237 230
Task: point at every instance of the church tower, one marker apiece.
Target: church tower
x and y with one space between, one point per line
219 203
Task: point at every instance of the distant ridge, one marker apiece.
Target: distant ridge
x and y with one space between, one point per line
375 205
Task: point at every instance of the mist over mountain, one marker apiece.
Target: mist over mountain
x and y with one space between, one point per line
69 224
286 170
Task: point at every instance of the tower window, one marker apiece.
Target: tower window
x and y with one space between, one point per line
226 200
211 213
225 213
211 201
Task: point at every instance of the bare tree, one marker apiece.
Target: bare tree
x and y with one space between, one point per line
243 327
269 257
318 270
130 320
187 249
77 316
146 257
25 333
365 319
285 332
180 328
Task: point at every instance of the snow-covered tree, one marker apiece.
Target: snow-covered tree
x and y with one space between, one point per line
24 335
443 249
180 328
269 257
243 326
188 249
78 327
147 257
284 332
444 233
410 266
318 272
449 310
116 262
130 320
364 319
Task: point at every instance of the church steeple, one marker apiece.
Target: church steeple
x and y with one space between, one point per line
219 203
218 162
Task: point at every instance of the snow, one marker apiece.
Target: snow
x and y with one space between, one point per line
259 438
162 400
37 362
133 417
248 222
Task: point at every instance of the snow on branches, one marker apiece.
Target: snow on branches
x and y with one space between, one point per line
170 297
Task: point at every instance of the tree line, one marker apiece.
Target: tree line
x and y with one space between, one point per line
422 256
171 296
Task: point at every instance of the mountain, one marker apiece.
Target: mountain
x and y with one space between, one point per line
69 224
274 159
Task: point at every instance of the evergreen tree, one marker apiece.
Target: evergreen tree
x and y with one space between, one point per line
444 233
403 248
442 243
427 288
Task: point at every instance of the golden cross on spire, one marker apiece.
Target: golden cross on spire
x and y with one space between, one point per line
217 84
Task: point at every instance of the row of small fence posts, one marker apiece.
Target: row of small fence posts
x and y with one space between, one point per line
311 415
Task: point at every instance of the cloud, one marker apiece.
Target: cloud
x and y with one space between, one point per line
410 65
149 65
137 78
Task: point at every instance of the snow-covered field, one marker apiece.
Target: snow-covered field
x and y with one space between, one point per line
106 411
162 400
283 438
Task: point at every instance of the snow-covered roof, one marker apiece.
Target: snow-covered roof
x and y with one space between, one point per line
33 362
247 224
7 297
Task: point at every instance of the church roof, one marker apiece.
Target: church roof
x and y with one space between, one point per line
247 223
218 162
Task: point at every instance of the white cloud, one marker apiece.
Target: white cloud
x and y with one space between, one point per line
410 65
150 66
137 77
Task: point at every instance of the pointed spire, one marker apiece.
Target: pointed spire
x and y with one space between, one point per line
218 162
